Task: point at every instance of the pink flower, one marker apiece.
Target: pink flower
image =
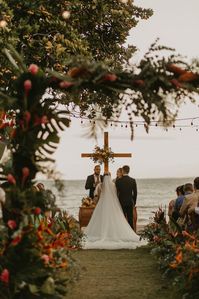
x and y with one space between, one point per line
37 211
45 258
11 179
33 69
11 224
5 275
110 77
65 84
27 86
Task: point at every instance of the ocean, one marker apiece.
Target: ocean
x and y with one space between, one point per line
152 194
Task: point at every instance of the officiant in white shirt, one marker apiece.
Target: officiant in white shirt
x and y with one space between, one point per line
93 180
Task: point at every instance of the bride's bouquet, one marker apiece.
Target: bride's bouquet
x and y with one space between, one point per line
100 155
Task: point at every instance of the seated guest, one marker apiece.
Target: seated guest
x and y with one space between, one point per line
191 201
174 213
187 189
93 180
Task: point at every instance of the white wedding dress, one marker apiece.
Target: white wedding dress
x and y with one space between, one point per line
108 227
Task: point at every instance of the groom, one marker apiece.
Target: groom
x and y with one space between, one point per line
127 193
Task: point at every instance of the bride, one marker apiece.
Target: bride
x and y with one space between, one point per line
108 227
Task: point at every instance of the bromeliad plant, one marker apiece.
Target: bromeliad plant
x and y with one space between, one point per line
177 252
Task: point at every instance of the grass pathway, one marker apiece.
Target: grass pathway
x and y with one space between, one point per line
120 274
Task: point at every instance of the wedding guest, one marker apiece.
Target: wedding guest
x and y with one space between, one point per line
118 174
180 197
191 201
187 189
172 202
93 180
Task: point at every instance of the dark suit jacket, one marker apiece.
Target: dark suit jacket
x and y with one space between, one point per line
90 184
126 190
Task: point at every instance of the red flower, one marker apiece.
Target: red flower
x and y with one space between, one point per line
139 82
11 179
25 172
27 116
110 77
33 69
176 83
5 275
37 211
16 240
11 224
27 86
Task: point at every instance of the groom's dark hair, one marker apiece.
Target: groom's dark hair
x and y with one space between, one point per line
126 169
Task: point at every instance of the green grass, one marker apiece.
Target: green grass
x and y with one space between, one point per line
120 274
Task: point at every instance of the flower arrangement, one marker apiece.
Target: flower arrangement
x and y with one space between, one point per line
177 252
88 202
100 155
51 262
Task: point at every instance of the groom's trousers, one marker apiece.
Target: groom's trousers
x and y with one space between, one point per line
128 213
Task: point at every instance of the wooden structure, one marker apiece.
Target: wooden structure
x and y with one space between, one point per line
106 146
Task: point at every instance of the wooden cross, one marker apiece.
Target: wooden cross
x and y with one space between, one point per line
106 146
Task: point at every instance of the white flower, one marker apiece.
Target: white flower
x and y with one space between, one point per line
66 14
3 23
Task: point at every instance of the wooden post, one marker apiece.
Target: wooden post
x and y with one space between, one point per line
106 169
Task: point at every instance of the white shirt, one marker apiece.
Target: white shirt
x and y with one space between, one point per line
95 178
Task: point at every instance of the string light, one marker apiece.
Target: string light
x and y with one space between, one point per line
137 123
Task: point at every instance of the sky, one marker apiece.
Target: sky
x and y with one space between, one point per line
160 153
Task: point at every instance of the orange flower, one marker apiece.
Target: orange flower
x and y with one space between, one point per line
188 77
175 69
77 72
186 234
173 265
179 257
